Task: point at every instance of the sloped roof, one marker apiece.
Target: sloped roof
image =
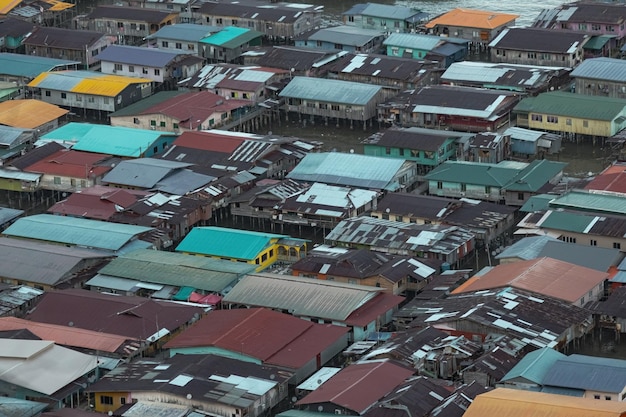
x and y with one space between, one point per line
267 335
29 114
86 82
53 37
534 366
561 103
612 179
359 386
388 11
482 19
505 402
30 65
137 14
142 172
526 248
288 57
609 69
347 169
546 276
226 242
42 366
594 257
302 296
75 231
588 373
540 40
97 202
231 37
184 32
169 268
135 55
332 91
346 35
598 202
70 163
264 12
42 263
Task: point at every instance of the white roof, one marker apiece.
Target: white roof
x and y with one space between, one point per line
42 366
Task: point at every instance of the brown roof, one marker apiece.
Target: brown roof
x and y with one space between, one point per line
71 336
29 114
97 202
209 141
273 337
70 163
546 276
134 317
359 386
611 179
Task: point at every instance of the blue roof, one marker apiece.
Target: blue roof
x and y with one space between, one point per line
75 231
588 373
30 65
226 243
609 69
527 248
136 55
184 32
535 366
110 140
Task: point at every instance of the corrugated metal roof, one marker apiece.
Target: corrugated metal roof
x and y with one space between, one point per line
143 172
413 41
19 175
231 37
481 19
135 55
184 32
225 242
86 82
75 231
591 201
519 403
571 222
574 105
30 65
301 296
7 5
29 114
527 248
332 91
346 35
347 169
388 11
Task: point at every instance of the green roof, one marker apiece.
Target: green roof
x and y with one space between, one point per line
595 202
177 269
535 175
535 365
537 203
231 37
597 42
146 103
574 105
226 243
476 173
570 222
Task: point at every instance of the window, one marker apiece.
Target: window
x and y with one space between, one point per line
73 182
387 151
165 44
106 399
234 22
487 189
311 105
610 28
157 72
131 68
79 97
142 27
520 196
595 26
350 18
607 397
568 122
552 119
95 52
536 117
271 252
179 45
152 122
593 242
401 151
532 55
191 47
439 185
218 21
582 26
155 149
398 218
264 257
123 400
133 26
144 70
463 187
175 125
47 93
617 245
162 124
63 95
395 51
323 106
334 107
118 67
120 25
585 123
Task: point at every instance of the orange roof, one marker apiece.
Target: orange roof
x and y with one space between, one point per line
7 5
68 336
503 402
546 276
470 18
28 114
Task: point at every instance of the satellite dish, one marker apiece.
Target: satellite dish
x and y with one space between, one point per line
71 324
189 396
320 408
294 399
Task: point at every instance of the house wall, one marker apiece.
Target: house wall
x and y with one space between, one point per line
571 125
523 147
400 51
272 29
606 396
10 184
87 56
513 56
165 123
177 45
153 73
594 28
458 190
255 95
480 35
63 183
213 350
373 46
421 157
603 88
373 281
216 408
132 31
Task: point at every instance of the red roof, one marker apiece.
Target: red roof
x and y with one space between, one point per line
208 141
373 309
270 336
611 179
359 386
69 163
96 204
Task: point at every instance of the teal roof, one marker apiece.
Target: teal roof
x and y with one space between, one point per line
110 140
597 42
527 248
331 91
177 269
537 203
21 65
582 106
226 243
75 231
534 366
594 202
231 37
183 294
570 222
506 175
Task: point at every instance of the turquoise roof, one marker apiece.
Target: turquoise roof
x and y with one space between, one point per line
537 203
595 202
231 37
110 140
226 243
570 222
75 231
183 294
534 366
21 65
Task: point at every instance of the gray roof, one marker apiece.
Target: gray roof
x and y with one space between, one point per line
413 41
42 263
8 214
301 296
609 69
527 248
346 35
75 231
30 65
182 182
143 172
588 373
388 11
594 257
53 37
332 91
8 134
539 40
135 55
184 32
176 269
487 73
347 169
